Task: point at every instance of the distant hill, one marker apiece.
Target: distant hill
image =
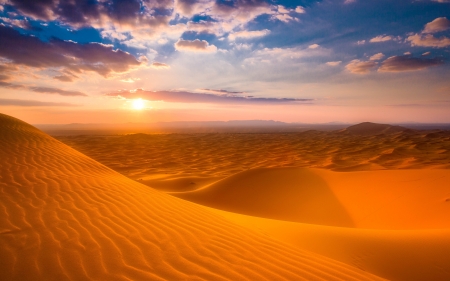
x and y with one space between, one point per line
368 128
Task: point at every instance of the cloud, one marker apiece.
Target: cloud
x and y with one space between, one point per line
381 38
313 46
221 91
27 103
24 24
349 1
248 34
195 46
95 13
437 25
407 63
333 63
47 90
300 10
361 67
191 97
282 9
426 53
64 78
240 10
428 40
92 57
361 42
378 56
160 65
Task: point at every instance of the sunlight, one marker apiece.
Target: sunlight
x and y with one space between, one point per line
138 104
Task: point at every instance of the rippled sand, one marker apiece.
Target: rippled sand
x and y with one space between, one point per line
224 206
65 216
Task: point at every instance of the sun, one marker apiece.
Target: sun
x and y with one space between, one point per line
138 104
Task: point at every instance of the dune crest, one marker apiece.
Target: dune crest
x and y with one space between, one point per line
64 216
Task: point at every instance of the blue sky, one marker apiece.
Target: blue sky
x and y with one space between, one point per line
295 61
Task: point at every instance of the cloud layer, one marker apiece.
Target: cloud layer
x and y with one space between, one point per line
191 97
29 51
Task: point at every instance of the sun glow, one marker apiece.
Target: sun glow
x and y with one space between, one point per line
138 104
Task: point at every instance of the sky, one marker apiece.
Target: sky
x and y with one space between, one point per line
116 61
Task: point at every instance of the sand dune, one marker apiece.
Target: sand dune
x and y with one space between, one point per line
64 216
394 199
376 199
370 129
410 255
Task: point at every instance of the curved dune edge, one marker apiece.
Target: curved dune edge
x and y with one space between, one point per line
387 199
64 216
409 255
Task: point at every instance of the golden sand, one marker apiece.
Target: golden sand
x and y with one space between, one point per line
65 216
225 206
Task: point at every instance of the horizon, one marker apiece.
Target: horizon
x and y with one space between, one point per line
310 62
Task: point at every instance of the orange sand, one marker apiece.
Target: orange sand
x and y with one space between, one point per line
65 216
263 206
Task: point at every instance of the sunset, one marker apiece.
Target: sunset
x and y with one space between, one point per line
225 140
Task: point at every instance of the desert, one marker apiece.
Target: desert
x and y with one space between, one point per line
73 216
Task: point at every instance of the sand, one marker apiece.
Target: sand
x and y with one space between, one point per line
369 203
65 216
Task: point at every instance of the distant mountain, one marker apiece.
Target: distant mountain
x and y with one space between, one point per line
368 128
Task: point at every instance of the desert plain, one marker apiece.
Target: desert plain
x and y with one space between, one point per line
369 202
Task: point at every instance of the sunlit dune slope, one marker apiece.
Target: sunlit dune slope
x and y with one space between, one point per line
64 216
397 199
293 194
399 255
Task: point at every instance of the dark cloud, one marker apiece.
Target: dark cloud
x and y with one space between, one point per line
190 97
30 51
15 102
93 13
47 90
407 63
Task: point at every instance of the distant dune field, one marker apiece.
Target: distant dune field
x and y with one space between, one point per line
364 203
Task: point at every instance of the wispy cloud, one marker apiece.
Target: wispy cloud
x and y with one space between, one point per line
381 38
31 103
334 63
248 34
192 97
160 65
47 90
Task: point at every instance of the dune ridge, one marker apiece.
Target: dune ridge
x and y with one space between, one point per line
65 216
381 199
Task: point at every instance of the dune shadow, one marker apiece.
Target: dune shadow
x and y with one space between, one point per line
291 194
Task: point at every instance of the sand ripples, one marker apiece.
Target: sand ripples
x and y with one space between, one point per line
64 216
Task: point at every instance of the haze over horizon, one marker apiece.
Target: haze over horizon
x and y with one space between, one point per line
145 61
